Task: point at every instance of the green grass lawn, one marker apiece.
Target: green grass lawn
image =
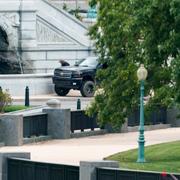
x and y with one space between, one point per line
12 108
161 157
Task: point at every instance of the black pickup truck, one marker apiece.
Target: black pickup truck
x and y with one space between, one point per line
80 77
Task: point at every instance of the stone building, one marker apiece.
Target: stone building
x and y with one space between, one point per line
41 34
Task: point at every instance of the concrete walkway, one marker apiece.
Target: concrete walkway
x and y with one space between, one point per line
72 151
73 94
69 101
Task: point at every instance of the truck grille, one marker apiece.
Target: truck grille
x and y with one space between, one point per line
62 74
65 83
61 83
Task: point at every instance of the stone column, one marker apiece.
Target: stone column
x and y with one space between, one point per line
58 122
1 133
173 117
3 162
11 129
88 169
124 127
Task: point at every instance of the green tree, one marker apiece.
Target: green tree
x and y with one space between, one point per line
5 99
128 33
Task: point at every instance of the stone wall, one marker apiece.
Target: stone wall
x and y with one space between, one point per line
46 60
38 84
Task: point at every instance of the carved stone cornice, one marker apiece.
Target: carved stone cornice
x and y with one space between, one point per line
46 34
9 23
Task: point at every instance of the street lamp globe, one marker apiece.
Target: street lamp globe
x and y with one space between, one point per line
142 73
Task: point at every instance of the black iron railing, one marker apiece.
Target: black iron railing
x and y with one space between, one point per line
19 169
156 116
80 121
116 174
35 125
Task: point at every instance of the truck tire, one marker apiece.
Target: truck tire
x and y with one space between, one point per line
87 89
61 91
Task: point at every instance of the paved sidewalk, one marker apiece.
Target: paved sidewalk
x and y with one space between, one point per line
73 94
69 101
72 151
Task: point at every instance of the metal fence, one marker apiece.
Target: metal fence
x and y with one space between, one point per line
19 169
154 117
80 121
35 125
116 174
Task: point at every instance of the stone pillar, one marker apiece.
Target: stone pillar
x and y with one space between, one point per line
58 123
173 117
1 133
11 129
88 169
124 127
3 162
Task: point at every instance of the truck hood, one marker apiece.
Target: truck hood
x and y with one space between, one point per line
76 68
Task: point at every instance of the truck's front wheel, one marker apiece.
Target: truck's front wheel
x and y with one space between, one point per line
61 91
87 89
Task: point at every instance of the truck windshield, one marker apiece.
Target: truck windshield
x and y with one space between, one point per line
90 61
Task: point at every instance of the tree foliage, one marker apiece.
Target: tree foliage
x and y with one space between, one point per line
128 33
5 99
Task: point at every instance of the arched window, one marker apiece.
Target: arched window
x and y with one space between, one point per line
8 62
3 40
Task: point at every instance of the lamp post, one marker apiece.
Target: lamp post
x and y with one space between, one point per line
142 75
92 13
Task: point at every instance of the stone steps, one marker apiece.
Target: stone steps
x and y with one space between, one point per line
71 4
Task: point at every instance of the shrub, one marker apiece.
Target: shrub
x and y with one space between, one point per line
5 99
